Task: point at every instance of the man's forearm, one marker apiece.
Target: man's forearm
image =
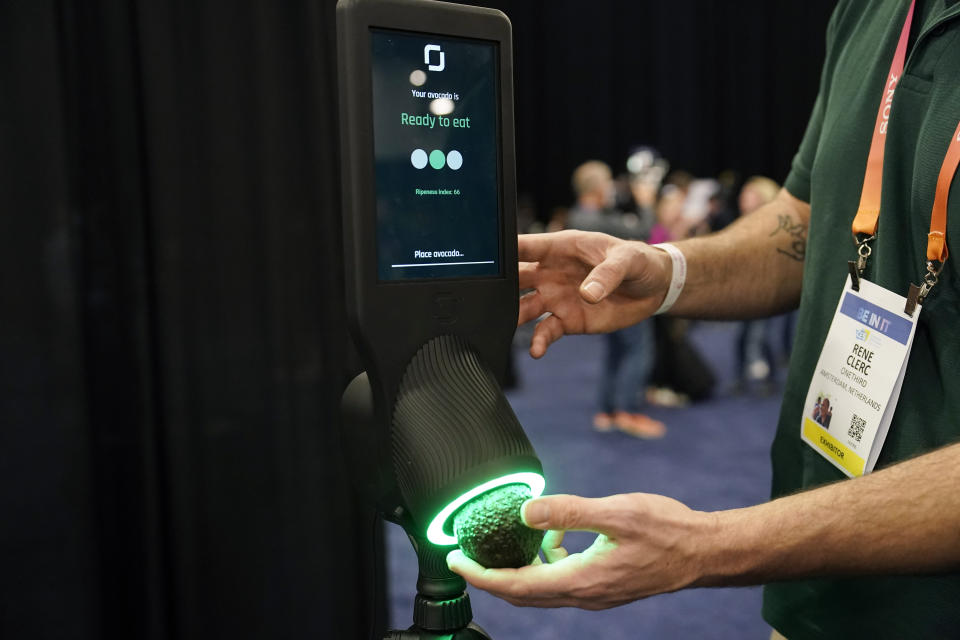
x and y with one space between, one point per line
752 268
903 519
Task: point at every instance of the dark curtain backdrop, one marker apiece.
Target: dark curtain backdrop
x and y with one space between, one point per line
712 84
171 341
171 334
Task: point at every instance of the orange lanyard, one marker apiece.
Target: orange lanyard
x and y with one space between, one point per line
865 223
937 237
868 214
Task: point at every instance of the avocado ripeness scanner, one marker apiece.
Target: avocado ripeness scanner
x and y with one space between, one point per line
430 252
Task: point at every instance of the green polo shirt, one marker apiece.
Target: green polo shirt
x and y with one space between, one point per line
828 173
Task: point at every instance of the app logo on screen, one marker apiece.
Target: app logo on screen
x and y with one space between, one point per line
426 57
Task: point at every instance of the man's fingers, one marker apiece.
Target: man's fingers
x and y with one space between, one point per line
527 275
493 580
533 247
565 512
605 277
552 539
542 585
459 563
555 555
531 307
547 331
552 550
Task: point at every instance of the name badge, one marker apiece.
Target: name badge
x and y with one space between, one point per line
856 385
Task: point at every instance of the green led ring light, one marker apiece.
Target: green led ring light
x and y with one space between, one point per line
438 536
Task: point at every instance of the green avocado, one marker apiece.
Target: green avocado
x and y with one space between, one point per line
490 531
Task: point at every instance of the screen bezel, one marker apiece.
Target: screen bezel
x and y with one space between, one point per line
482 310
499 156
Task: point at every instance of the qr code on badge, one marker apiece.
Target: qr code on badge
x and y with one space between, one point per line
857 425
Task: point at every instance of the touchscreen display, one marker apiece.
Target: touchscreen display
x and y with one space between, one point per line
436 147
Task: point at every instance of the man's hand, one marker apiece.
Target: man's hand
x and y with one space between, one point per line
593 283
647 544
588 282
903 519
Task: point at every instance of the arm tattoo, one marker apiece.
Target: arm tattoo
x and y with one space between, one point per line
797 231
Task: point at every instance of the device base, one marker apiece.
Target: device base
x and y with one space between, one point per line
472 632
468 631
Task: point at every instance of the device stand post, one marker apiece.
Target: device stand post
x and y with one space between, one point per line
441 607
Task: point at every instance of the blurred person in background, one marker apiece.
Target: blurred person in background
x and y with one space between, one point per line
630 351
635 215
696 207
754 354
640 186
644 188
680 179
669 210
595 209
558 219
723 210
756 192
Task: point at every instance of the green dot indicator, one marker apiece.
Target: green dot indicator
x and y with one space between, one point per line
437 159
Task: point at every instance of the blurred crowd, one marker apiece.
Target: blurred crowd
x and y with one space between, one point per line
655 362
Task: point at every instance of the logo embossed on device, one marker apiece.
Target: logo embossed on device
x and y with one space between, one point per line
446 307
427 50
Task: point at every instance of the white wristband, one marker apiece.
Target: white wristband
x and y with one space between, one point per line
678 278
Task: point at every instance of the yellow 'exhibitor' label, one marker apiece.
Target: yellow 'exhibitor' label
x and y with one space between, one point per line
841 455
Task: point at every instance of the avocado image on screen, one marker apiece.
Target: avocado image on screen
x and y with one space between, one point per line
490 531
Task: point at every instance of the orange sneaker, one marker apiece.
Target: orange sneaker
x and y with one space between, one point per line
603 421
639 425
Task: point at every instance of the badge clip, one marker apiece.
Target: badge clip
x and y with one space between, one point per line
863 253
916 295
913 299
854 275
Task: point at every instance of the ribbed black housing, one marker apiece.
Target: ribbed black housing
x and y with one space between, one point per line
452 428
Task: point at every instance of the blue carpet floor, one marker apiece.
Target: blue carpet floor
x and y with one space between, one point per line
715 456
